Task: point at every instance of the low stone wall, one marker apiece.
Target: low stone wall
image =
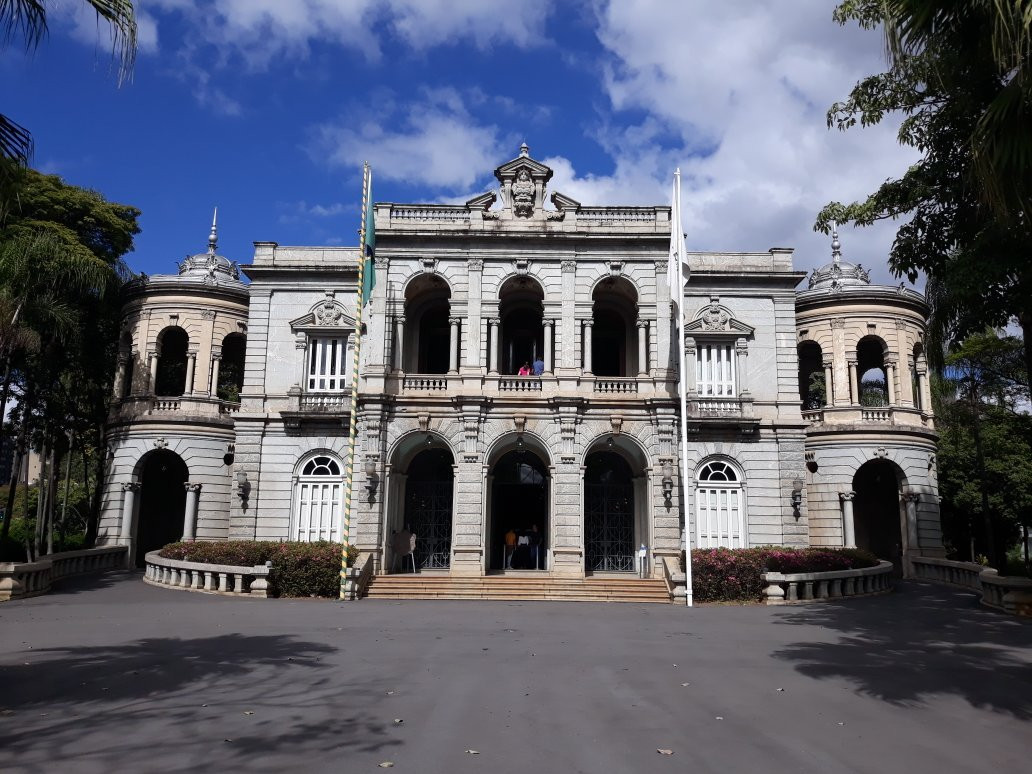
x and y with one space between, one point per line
232 580
676 581
963 574
210 578
785 589
30 579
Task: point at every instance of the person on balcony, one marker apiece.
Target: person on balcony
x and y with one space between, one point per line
539 367
524 370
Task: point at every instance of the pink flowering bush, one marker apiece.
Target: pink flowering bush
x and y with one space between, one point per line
735 575
298 569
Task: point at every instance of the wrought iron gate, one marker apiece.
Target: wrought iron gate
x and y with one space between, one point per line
609 527
428 513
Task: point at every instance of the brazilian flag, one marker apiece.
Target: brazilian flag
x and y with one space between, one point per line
369 248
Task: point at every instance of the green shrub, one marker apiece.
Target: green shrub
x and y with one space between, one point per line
298 569
735 575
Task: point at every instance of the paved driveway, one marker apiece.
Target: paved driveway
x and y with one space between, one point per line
113 675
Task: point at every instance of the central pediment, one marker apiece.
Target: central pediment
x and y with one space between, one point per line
523 182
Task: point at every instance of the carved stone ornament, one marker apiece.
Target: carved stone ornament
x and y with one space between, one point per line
208 314
381 261
522 266
615 268
568 265
328 312
523 194
429 265
475 264
160 443
714 318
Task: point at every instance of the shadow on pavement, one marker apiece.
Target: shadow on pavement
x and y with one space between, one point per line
77 584
234 699
921 642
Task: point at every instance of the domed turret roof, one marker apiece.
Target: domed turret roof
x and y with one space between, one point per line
838 274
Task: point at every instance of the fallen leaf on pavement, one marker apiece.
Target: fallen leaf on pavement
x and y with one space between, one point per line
663 751
473 752
386 765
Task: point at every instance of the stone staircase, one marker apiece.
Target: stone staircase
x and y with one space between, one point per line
519 587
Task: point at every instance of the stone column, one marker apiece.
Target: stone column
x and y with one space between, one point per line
588 324
742 354
190 520
213 388
301 347
191 366
399 342
829 381
116 393
643 348
848 527
453 346
854 386
890 381
566 358
474 312
496 345
547 325
911 546
152 365
129 490
922 387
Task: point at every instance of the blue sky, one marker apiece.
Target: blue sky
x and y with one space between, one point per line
267 109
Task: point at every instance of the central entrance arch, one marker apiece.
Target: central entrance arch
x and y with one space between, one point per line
878 515
519 502
162 511
428 507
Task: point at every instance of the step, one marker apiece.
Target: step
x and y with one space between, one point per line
517 588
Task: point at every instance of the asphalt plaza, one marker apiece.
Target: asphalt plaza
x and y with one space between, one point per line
110 674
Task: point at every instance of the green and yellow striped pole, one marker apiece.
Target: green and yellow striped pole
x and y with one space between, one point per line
352 420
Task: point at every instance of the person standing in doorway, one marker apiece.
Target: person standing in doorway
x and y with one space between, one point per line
510 547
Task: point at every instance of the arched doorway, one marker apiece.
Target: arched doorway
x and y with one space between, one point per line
608 513
427 348
520 309
428 507
614 347
162 508
877 510
519 502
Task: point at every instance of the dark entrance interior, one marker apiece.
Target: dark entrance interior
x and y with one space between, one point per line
524 339
519 501
876 511
608 514
609 341
171 379
428 507
162 502
434 338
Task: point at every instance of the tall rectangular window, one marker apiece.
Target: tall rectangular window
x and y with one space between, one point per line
715 370
328 364
719 518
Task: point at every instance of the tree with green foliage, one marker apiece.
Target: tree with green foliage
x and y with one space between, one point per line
61 270
959 75
985 444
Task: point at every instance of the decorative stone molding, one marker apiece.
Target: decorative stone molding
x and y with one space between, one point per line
475 264
520 422
615 268
381 261
160 443
429 265
208 314
191 487
880 453
522 266
568 265
131 486
424 423
329 312
838 322
616 423
717 319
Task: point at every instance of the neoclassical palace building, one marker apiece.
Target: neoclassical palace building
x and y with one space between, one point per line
808 415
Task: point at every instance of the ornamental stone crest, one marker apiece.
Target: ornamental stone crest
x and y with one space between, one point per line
523 194
328 312
714 318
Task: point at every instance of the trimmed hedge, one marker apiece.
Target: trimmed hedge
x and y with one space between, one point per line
298 569
735 575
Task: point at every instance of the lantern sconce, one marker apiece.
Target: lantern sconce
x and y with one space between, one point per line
519 443
668 483
371 479
243 488
797 496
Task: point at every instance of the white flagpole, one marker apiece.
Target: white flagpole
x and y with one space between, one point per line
677 255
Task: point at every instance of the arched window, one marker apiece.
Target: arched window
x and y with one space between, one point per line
317 497
720 507
813 392
231 373
870 356
171 380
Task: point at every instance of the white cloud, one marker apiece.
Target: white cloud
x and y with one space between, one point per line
744 88
432 142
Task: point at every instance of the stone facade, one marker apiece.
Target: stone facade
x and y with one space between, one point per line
453 442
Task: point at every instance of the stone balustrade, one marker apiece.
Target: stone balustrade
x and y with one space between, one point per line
605 215
430 213
211 578
876 415
325 401
716 407
782 589
1009 594
814 416
519 384
424 383
166 404
676 580
620 385
964 574
228 407
29 579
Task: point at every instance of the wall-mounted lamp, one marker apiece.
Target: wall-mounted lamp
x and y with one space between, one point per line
610 443
371 479
668 483
429 440
519 443
797 496
243 488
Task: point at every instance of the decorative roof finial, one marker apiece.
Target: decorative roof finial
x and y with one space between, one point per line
524 150
836 246
213 237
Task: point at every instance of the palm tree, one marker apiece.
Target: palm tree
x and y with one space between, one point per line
27 20
998 32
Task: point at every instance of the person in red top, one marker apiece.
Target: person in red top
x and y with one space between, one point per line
524 370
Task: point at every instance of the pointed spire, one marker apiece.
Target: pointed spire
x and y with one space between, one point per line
524 150
213 237
836 246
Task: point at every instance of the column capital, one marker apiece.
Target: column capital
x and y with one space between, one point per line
475 264
911 497
641 323
828 362
131 486
852 362
568 265
191 487
546 323
588 322
454 320
494 321
847 496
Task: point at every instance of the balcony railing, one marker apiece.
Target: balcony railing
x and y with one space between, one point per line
325 401
717 407
519 384
620 385
814 416
876 414
166 404
425 383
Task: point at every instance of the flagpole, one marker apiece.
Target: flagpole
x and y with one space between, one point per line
682 385
353 415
